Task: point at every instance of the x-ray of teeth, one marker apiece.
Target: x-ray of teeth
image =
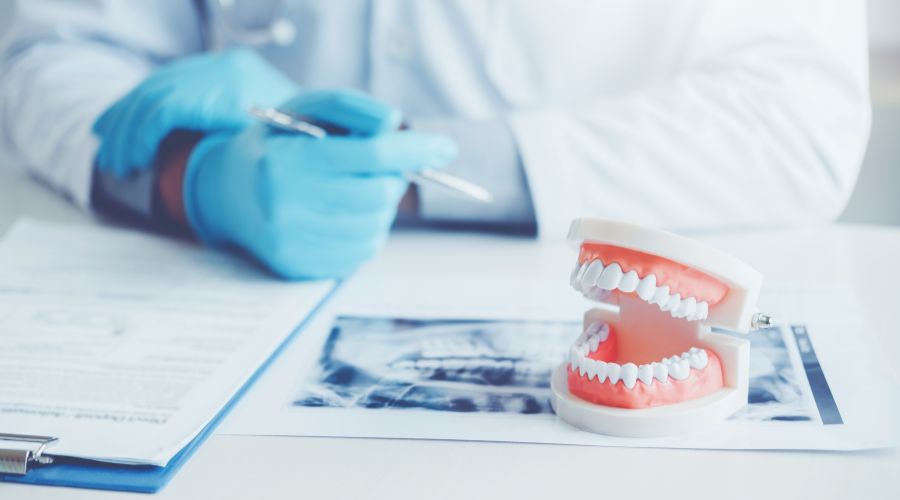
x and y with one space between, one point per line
492 366
775 391
445 365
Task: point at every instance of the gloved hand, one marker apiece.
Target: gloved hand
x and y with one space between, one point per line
207 92
306 207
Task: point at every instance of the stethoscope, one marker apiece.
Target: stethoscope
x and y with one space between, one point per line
271 25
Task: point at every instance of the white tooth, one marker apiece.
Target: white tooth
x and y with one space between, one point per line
629 374
702 310
603 333
575 278
613 371
698 359
660 371
591 274
594 342
597 294
611 277
647 287
688 307
573 358
581 349
629 282
660 296
592 329
579 365
591 366
680 370
672 304
645 374
601 371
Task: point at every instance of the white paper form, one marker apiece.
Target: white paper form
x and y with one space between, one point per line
124 345
454 337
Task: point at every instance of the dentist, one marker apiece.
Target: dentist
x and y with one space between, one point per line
692 115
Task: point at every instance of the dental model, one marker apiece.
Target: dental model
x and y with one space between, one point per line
655 367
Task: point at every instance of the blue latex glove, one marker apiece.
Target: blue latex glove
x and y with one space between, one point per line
306 207
207 92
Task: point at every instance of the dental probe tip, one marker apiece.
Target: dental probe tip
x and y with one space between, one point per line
761 320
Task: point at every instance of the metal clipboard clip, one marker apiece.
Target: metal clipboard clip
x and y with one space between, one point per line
15 460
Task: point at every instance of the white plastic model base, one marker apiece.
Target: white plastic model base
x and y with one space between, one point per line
652 327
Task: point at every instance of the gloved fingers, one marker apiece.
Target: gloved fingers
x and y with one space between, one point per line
122 128
329 194
209 92
214 112
322 247
395 152
360 113
351 229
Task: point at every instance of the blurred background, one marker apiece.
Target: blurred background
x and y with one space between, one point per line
876 199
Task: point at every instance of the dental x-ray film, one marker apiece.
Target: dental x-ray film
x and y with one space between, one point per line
503 366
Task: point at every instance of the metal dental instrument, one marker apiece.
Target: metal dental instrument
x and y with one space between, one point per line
291 123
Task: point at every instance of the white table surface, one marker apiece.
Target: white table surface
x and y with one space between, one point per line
863 257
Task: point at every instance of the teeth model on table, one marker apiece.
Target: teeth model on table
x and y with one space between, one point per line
654 367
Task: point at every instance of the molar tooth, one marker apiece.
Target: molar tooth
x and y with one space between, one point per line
629 374
629 282
591 366
573 358
647 287
581 349
611 277
702 310
672 304
580 365
660 296
592 328
613 370
594 269
687 308
660 371
680 370
594 342
645 374
698 359
603 332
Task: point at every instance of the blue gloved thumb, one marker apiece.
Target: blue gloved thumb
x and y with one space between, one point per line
357 112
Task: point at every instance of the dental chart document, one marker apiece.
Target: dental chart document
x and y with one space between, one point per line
124 345
455 337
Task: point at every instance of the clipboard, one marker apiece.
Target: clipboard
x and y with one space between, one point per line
33 462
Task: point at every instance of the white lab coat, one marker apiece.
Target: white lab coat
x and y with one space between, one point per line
688 114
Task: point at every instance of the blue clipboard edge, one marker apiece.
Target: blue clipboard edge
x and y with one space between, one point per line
83 473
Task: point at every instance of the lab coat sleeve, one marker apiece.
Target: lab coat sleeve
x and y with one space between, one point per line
64 63
764 124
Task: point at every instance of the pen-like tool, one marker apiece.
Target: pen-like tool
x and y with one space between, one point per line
302 125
